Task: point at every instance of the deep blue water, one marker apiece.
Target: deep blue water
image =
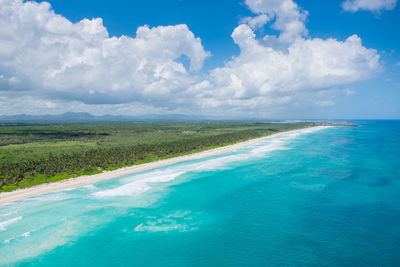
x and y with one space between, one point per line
316 198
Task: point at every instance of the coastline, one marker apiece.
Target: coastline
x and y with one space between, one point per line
19 194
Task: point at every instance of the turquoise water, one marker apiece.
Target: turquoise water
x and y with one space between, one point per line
311 198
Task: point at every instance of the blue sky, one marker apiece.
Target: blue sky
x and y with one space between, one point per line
214 21
215 78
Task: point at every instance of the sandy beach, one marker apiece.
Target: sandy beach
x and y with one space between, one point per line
20 194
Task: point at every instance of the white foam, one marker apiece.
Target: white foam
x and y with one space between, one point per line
134 188
140 186
265 149
162 178
8 214
178 221
7 241
8 222
216 163
90 187
164 228
26 234
57 196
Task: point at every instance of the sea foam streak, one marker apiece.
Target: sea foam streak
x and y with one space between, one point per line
8 214
177 221
8 222
140 186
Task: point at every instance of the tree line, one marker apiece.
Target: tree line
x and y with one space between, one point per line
100 158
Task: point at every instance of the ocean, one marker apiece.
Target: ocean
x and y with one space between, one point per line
327 197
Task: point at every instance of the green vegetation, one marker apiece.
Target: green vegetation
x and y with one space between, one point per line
31 154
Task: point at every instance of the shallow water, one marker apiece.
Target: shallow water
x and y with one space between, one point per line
327 197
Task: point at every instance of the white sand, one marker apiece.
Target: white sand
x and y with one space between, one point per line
19 194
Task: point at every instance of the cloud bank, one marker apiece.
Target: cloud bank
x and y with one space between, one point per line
48 60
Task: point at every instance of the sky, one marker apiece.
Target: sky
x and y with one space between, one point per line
273 59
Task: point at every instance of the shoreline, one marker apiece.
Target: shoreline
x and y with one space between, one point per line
70 183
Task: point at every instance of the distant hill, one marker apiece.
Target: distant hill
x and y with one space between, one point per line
87 117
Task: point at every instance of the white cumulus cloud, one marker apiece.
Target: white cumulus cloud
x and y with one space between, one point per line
266 74
289 18
45 52
371 5
256 22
